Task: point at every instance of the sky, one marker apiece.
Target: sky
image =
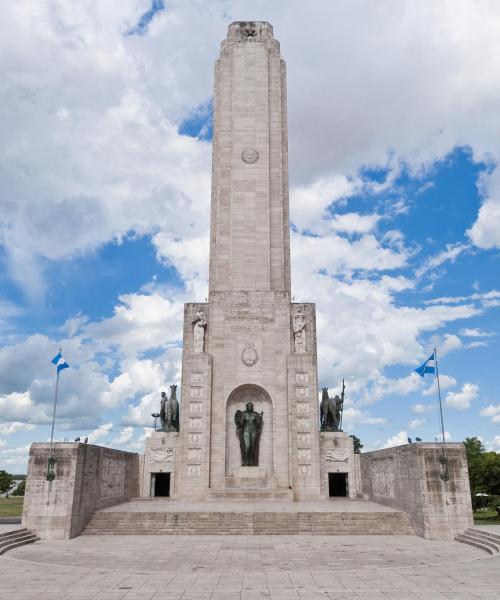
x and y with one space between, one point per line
105 161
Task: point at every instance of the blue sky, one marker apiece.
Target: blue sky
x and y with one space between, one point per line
104 208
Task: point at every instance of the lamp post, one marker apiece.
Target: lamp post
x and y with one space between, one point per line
155 417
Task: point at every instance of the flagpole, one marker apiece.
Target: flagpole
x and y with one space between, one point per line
51 461
444 461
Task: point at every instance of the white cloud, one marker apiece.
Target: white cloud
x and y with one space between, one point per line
125 436
99 433
471 332
398 439
416 423
354 416
451 253
462 400
494 444
445 382
493 411
14 426
420 409
439 436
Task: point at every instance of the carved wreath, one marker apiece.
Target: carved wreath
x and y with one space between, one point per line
249 356
249 156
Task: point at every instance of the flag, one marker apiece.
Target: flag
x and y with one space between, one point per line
60 362
428 366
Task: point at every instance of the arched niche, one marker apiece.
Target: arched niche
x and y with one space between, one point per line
261 403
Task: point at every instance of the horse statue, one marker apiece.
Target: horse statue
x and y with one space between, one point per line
330 411
169 410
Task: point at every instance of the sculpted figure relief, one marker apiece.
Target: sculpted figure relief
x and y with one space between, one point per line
199 326
299 331
169 410
248 428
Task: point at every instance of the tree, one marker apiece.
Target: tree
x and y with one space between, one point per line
5 482
474 451
19 491
357 444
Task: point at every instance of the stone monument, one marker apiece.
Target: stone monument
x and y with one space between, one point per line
248 426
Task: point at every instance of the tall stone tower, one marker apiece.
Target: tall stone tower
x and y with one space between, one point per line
249 343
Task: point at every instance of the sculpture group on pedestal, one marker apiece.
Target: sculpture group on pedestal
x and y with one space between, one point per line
331 410
169 411
248 429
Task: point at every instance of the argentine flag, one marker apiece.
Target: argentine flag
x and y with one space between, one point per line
429 366
60 362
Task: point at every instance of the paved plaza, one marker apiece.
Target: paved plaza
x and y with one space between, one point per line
248 568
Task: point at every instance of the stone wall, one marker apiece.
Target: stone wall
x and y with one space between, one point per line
87 478
409 478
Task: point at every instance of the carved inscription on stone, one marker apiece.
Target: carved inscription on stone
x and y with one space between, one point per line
194 470
340 455
301 378
195 407
304 438
194 453
113 478
383 476
161 454
194 422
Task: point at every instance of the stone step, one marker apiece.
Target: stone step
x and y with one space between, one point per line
249 495
14 539
247 523
484 540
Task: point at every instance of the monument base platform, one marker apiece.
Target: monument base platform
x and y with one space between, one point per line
329 517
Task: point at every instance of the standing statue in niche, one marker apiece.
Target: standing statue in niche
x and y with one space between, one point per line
299 331
199 325
169 410
331 410
248 429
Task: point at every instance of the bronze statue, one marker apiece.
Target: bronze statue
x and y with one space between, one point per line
248 429
331 410
169 410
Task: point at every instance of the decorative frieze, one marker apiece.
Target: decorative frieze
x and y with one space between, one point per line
303 391
194 453
301 378
302 423
161 454
340 455
304 438
196 391
196 377
304 454
194 470
194 422
302 407
195 438
195 407
304 469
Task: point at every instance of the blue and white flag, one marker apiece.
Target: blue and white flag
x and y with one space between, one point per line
60 362
429 366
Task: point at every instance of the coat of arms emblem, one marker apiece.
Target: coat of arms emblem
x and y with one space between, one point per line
249 356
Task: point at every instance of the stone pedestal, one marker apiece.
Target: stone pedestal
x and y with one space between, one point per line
337 456
160 454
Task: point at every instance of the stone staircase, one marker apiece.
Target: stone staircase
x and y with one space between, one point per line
18 537
484 540
248 523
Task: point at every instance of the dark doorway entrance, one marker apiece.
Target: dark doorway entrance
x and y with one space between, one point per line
162 484
337 484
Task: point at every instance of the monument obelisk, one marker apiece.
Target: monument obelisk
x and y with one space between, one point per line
249 343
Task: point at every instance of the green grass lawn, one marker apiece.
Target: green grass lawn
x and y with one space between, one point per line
11 507
486 517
